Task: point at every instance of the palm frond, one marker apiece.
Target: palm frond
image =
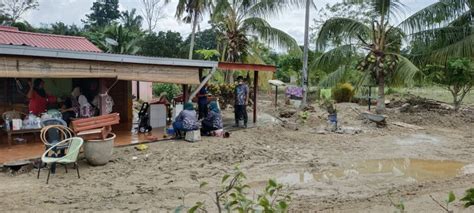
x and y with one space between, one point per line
404 73
334 78
271 7
269 34
341 29
465 19
334 58
461 48
382 7
439 13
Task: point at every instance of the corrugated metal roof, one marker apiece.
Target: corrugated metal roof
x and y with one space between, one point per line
12 36
106 57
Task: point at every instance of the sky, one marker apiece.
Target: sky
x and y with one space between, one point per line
72 11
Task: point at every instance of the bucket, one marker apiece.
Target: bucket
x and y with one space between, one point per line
332 118
98 152
170 131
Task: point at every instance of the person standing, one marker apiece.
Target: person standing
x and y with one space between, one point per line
241 101
202 101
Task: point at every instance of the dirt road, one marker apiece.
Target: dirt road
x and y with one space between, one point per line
325 172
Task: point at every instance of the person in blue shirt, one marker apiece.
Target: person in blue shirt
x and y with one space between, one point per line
186 120
241 101
202 101
213 121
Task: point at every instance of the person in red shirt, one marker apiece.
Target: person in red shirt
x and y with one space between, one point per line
39 100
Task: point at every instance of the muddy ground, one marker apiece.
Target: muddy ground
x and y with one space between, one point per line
325 172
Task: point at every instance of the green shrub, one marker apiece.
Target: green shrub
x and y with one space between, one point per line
172 90
343 92
391 91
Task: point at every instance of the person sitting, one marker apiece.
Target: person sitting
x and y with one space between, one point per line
213 121
86 110
38 98
71 107
186 120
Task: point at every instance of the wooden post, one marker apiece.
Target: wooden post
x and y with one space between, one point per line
255 89
200 74
185 93
138 89
102 90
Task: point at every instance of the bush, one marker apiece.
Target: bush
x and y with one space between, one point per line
172 90
225 93
343 92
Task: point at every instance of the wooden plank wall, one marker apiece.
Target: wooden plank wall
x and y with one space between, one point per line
35 67
121 93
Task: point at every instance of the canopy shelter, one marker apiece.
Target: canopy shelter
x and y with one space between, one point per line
227 66
34 62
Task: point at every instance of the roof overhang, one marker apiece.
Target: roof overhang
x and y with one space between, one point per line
32 62
249 67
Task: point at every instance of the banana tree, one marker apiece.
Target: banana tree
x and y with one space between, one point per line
376 45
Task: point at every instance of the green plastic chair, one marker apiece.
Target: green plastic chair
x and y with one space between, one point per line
72 152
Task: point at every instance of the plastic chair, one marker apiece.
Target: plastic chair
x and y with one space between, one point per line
74 146
12 115
54 130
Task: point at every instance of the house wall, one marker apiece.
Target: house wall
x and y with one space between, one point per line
122 96
146 90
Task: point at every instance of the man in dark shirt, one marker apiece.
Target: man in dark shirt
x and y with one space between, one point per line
202 101
241 101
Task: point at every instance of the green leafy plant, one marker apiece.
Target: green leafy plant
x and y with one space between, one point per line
400 206
343 92
224 92
329 105
468 198
451 198
303 116
172 90
233 197
457 76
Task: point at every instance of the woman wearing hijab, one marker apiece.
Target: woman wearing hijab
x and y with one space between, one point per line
213 121
39 100
186 120
71 107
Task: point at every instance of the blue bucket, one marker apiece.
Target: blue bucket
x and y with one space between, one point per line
170 131
332 118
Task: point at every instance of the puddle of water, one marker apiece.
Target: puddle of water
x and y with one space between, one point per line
410 169
415 139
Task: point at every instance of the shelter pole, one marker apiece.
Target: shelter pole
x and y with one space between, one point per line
102 90
203 82
255 88
138 89
276 96
185 93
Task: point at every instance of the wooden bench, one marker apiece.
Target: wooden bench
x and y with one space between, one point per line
98 127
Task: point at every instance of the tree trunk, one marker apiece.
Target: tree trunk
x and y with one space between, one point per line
381 96
305 56
193 33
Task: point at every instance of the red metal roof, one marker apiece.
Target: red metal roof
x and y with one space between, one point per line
12 36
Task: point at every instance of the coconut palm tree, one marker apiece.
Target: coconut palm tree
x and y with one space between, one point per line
191 11
131 20
238 20
376 45
115 38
